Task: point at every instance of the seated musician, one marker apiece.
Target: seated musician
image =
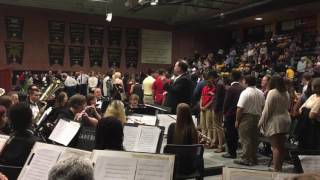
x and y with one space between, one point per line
109 134
135 108
183 132
75 110
93 115
59 106
116 110
102 103
18 147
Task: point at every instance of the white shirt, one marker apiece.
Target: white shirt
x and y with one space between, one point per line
252 101
35 110
83 79
147 85
70 81
93 82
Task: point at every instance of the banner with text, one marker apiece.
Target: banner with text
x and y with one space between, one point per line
156 47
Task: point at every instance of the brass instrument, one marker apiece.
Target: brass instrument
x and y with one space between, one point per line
54 86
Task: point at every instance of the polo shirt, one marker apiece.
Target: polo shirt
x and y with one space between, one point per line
205 96
251 100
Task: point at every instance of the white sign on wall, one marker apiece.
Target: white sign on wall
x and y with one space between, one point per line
156 47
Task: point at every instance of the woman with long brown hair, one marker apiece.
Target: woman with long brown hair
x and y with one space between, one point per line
183 131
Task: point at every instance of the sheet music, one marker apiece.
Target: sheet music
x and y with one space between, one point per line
310 163
115 168
64 132
165 121
71 152
149 120
41 164
134 119
131 136
3 141
153 169
148 139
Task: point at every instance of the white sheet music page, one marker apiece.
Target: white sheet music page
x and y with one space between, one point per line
149 120
64 131
41 164
131 136
148 140
310 163
165 121
114 168
134 119
148 169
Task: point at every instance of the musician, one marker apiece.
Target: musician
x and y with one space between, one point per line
33 100
109 134
116 110
93 115
133 101
21 141
77 105
102 102
59 106
183 131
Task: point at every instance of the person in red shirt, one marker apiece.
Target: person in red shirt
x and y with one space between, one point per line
157 87
206 100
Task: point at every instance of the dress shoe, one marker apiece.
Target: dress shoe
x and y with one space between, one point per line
243 162
219 150
227 155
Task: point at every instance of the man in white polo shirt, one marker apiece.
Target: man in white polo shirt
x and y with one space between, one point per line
249 109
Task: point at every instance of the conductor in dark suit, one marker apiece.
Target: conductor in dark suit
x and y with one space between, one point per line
180 89
230 109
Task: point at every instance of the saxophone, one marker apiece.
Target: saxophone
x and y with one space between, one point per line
52 88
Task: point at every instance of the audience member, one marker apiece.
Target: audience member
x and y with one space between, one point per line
275 120
249 110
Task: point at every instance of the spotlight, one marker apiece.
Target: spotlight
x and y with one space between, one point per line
258 18
154 2
109 16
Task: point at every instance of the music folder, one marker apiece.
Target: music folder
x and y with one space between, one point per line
141 138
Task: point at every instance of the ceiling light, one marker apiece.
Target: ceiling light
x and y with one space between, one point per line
109 16
154 2
258 18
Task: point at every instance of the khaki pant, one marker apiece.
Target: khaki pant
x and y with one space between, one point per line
148 99
248 133
206 123
218 129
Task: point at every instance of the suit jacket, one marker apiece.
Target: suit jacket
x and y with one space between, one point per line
231 99
180 91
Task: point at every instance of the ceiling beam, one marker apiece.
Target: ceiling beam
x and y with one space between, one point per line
194 5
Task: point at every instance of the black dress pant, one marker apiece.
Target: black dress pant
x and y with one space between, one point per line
231 134
83 89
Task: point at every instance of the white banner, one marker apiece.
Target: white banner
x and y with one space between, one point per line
156 47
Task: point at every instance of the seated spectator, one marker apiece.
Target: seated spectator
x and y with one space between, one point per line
16 152
183 131
74 168
116 110
109 134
